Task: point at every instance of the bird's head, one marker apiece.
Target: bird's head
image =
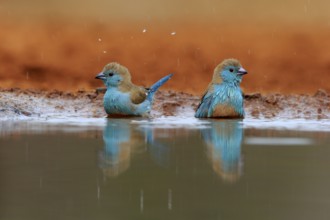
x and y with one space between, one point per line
114 74
229 71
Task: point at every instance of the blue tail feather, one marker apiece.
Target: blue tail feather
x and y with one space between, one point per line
158 84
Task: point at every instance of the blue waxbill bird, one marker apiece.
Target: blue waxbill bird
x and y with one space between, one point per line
122 97
223 97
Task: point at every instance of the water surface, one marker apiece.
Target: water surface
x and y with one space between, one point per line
145 169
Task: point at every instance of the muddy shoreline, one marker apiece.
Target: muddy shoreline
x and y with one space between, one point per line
17 104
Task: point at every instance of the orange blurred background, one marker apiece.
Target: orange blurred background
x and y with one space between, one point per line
62 45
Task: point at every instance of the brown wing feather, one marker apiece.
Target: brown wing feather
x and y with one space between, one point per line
138 95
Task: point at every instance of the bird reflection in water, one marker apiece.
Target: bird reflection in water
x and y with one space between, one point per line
224 140
122 140
119 142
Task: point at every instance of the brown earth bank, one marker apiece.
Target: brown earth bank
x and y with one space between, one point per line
34 104
280 58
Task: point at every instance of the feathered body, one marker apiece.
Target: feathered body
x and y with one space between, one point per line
223 97
122 96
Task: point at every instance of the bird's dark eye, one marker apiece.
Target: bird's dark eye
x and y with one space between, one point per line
110 74
231 70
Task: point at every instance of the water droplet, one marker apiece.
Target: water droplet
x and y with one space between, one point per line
144 30
98 194
141 200
104 51
99 39
169 202
173 33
